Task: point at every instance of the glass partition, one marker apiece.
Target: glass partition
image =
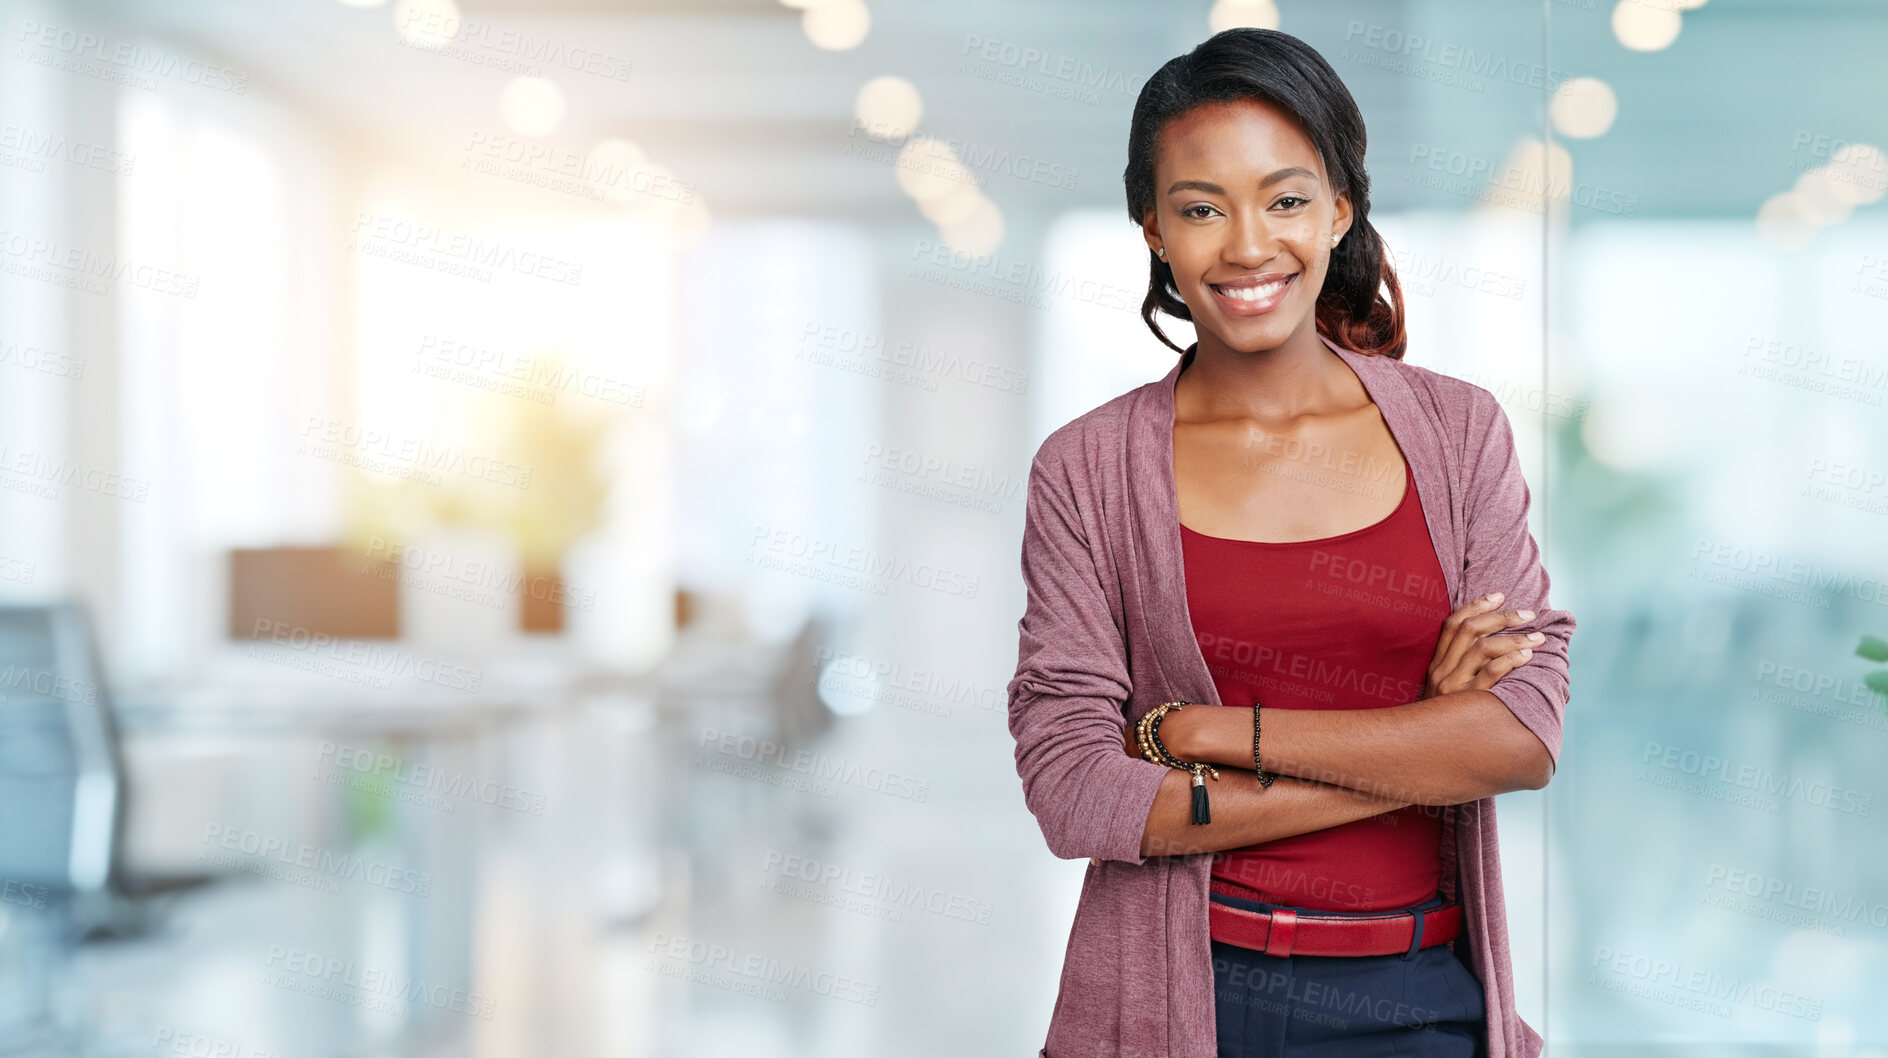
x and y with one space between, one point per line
1716 863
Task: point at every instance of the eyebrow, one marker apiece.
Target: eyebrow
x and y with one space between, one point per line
1215 189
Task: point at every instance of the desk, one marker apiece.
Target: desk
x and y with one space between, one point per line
525 909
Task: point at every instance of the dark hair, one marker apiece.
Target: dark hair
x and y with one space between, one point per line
1250 63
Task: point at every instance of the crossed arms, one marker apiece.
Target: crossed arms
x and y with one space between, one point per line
1067 699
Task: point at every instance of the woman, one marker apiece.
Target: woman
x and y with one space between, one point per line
1314 542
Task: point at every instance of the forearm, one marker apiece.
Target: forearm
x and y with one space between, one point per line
1246 813
1450 749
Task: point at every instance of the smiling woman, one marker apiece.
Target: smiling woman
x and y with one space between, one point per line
1311 525
1267 154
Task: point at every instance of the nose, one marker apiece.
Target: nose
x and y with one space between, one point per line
1249 240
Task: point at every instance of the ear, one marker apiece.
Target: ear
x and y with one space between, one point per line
1150 231
1341 217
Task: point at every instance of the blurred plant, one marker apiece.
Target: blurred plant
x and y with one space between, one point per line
555 450
368 811
1875 650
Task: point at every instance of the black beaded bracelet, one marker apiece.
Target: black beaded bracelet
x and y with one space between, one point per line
1153 732
1148 733
1264 779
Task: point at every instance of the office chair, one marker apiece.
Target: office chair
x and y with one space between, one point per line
61 804
61 789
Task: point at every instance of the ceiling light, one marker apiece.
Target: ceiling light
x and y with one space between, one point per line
1787 221
929 168
1829 199
1646 27
1234 14
888 108
978 234
836 25
1584 107
531 106
1862 167
953 207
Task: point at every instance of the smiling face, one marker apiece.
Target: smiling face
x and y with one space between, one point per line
1246 214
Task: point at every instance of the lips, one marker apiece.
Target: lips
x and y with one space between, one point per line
1252 295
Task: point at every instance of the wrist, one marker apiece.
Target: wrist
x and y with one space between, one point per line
1175 728
1206 733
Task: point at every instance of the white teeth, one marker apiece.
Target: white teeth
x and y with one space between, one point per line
1254 293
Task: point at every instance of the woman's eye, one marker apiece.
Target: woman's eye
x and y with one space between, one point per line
1292 198
1188 212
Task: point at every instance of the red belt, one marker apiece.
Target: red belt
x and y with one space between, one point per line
1283 931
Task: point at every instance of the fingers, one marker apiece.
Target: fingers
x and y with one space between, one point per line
1463 627
1472 608
1498 667
1490 621
1499 656
1481 617
1486 660
1494 646
1456 634
1467 646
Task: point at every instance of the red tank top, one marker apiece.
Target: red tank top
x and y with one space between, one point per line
1345 622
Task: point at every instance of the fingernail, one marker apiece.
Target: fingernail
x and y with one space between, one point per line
1535 636
1526 653
1493 597
1527 615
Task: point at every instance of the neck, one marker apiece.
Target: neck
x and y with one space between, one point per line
1299 376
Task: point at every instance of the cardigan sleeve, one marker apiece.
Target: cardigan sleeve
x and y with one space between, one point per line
1066 700
1501 555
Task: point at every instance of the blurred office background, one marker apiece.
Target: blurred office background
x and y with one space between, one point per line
510 510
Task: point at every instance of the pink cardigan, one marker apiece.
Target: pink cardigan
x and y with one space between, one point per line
1105 636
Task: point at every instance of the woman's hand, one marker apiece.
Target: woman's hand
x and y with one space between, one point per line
1469 657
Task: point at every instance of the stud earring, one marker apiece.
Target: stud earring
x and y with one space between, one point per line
1161 253
1334 238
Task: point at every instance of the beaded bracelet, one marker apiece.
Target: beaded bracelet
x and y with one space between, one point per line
1264 779
1143 734
1147 733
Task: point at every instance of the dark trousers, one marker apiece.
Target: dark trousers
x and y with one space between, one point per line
1426 1005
